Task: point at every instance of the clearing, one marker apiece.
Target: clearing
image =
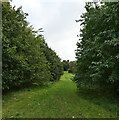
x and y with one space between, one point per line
59 100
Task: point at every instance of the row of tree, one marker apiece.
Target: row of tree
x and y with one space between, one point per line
69 66
27 59
98 46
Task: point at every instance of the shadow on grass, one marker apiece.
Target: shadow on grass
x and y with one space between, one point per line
29 87
107 100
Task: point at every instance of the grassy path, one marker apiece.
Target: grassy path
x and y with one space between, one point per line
58 100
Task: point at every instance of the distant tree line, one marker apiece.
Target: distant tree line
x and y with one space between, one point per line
98 46
69 66
26 59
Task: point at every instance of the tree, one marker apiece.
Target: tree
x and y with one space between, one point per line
98 49
72 67
25 59
65 65
55 65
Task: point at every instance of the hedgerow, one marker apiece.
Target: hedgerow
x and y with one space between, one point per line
25 60
98 46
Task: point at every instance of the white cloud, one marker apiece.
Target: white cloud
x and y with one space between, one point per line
57 18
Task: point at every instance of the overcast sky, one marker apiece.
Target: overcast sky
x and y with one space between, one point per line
57 18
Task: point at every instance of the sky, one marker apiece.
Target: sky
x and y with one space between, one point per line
57 18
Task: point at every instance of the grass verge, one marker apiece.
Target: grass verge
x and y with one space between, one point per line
59 100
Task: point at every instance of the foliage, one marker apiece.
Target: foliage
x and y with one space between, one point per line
69 66
65 65
55 65
24 62
98 47
72 67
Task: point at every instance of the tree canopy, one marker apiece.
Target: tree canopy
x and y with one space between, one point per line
27 59
98 47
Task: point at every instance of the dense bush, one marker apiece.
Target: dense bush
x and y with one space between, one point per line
98 47
24 59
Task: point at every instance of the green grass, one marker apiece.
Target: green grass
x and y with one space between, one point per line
58 100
